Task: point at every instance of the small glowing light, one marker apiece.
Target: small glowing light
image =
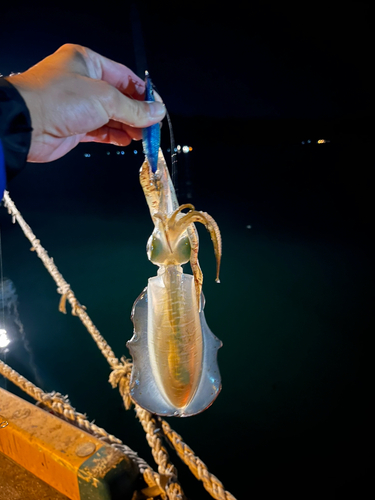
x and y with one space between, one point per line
122 152
308 142
4 339
135 152
168 150
248 226
303 142
178 148
190 148
185 149
108 153
321 141
117 152
87 155
175 150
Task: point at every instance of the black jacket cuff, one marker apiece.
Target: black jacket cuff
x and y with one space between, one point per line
15 128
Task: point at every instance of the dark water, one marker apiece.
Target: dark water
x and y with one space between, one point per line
294 307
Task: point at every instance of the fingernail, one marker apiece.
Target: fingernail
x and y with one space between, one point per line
156 109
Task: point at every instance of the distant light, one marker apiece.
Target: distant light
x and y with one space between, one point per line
168 150
308 142
4 339
322 141
178 148
190 148
117 152
185 149
87 155
248 226
303 142
135 152
175 150
108 153
122 152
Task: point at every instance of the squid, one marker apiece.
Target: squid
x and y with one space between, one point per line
175 370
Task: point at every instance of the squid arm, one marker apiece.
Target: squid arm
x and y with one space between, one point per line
186 222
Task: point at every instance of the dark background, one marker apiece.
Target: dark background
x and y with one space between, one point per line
252 89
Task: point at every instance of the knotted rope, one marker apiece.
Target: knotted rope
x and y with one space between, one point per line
120 375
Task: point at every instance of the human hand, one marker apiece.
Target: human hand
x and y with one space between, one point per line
76 95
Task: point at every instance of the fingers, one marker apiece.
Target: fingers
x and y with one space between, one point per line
99 67
108 135
115 133
120 108
134 133
116 74
123 97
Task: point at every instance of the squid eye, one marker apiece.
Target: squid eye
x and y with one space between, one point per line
155 250
183 250
159 250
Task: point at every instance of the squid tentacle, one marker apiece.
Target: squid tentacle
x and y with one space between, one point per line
205 219
172 219
194 262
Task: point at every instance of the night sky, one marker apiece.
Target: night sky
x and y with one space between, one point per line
262 61
252 89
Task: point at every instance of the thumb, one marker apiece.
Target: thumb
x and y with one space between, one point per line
138 114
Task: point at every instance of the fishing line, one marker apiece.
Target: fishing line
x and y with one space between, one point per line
173 153
174 162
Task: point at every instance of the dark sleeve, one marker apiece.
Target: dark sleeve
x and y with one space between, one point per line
15 132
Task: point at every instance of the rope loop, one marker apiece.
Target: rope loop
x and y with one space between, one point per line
62 304
120 376
63 290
